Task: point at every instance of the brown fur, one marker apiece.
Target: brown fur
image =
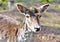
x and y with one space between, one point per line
8 26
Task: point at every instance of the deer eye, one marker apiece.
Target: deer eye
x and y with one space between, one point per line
39 16
27 16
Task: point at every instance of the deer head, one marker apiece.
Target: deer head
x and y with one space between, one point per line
32 16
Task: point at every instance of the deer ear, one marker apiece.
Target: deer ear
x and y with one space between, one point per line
44 7
41 8
21 8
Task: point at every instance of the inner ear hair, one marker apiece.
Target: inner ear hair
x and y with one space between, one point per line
22 8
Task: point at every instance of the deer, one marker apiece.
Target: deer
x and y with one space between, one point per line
31 22
8 28
14 31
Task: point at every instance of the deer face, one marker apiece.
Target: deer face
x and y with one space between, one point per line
32 17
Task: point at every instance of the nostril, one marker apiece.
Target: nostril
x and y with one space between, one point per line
37 29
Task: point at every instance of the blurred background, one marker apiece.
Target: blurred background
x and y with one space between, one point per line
51 16
50 20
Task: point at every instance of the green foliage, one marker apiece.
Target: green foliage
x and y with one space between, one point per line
47 1
48 22
34 1
37 0
47 14
4 3
57 8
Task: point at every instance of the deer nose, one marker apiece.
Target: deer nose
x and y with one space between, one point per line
37 29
